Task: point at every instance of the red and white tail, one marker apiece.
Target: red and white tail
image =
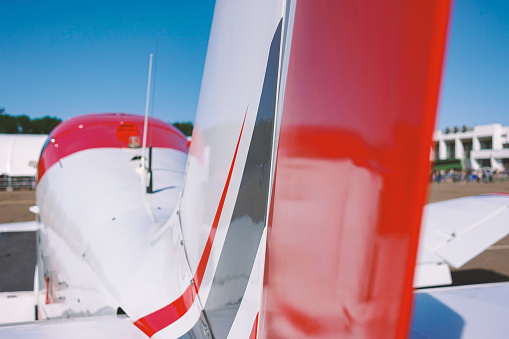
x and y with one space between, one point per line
300 209
308 167
224 203
352 166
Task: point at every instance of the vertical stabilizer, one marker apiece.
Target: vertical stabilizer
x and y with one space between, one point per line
352 166
314 119
224 203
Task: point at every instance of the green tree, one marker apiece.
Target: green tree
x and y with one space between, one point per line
23 125
184 127
44 125
8 124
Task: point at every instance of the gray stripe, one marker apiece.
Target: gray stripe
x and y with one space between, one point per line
250 211
198 331
288 20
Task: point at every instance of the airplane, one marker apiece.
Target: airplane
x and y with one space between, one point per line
293 213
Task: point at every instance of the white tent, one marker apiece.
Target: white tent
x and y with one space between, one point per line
17 151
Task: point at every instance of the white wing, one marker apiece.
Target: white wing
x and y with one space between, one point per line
467 312
77 328
27 226
455 231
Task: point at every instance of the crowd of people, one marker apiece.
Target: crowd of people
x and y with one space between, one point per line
484 175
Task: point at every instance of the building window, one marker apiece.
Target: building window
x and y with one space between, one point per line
505 163
437 149
467 147
505 145
486 143
450 150
484 163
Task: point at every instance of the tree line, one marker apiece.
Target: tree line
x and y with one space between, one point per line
184 127
22 124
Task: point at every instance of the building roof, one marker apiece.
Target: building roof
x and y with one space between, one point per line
17 151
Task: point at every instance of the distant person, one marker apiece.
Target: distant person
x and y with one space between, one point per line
489 176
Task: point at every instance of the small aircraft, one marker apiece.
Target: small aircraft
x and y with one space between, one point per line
294 212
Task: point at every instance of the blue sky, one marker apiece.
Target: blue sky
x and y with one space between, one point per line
65 58
475 87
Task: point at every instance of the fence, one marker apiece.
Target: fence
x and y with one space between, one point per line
17 183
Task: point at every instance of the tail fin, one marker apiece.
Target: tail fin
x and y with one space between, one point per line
223 208
352 167
341 96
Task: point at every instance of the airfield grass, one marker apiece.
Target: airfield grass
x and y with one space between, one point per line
14 206
446 191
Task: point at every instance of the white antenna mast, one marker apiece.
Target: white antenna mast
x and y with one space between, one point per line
145 124
144 145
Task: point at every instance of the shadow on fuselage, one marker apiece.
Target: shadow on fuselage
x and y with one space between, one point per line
434 319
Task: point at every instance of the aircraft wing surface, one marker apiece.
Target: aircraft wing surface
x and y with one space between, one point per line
455 231
27 226
474 311
104 327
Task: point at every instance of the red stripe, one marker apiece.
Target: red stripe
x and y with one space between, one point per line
254 331
47 290
105 130
156 321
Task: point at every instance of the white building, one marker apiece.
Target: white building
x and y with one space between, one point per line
477 147
19 154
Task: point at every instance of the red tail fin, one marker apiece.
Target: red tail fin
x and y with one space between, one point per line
352 167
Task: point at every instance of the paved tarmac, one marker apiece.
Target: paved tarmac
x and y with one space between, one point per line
17 261
17 250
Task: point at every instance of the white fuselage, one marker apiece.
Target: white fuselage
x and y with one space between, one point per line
99 228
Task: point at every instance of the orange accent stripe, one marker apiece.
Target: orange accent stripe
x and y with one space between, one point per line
156 321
